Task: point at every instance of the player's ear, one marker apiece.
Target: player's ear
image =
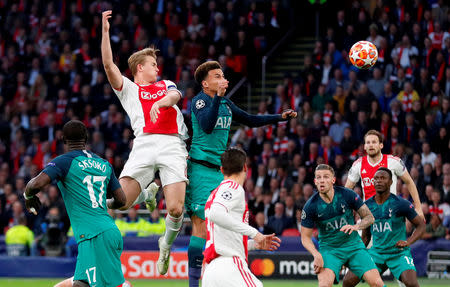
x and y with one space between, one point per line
334 179
221 170
204 84
381 145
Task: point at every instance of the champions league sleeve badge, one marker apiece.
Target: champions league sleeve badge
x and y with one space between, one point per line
200 104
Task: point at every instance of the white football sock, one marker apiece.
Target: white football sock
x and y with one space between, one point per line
173 227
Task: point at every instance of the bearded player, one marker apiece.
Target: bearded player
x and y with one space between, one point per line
160 133
365 167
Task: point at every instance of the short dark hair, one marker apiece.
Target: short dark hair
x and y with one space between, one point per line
325 167
386 170
374 133
75 130
233 161
202 71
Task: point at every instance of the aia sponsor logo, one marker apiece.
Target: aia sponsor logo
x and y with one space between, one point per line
264 267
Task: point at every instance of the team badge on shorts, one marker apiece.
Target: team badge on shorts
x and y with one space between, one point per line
199 104
227 195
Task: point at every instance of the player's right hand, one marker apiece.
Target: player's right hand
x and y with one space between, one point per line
33 204
318 263
105 23
267 242
223 85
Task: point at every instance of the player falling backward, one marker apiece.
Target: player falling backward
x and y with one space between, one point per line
365 167
85 181
331 210
226 214
159 144
390 247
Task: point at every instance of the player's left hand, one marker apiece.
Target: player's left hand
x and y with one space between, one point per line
33 204
401 244
267 242
348 229
289 114
154 112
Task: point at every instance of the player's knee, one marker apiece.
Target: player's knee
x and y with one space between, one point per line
376 282
410 282
77 283
175 211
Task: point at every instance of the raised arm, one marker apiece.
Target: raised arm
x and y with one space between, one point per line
112 71
350 184
207 114
406 178
309 245
250 120
33 187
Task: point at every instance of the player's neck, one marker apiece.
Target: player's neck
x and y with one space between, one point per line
141 81
375 158
210 93
381 198
328 196
76 146
236 178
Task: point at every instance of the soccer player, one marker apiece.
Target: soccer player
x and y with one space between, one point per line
365 167
390 247
85 181
212 115
159 144
331 210
226 214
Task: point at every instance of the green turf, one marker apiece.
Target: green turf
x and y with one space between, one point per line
16 282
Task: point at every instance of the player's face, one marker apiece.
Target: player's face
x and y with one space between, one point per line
372 145
381 181
324 180
214 79
149 69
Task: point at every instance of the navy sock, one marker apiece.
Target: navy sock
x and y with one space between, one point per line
195 257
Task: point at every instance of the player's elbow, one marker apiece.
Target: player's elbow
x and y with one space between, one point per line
370 219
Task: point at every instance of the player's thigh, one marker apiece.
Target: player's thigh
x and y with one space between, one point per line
400 263
198 226
228 272
202 181
333 259
409 278
85 262
140 165
350 279
174 194
109 246
373 278
171 159
360 261
327 277
131 188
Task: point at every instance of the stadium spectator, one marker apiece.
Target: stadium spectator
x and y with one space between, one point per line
19 239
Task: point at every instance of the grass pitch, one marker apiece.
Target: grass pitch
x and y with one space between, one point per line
21 282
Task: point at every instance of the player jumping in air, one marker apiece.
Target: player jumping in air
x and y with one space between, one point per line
331 210
365 167
390 247
160 133
212 115
85 181
226 214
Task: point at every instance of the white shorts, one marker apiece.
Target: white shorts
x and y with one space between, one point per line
229 272
153 152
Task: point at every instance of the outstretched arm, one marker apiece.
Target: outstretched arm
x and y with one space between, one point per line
250 120
112 71
406 178
33 187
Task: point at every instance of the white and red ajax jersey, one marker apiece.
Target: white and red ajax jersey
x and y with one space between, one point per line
138 100
220 241
364 170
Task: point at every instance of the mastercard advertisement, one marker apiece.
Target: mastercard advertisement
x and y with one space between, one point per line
282 265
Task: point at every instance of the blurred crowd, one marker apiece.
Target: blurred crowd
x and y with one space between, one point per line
51 72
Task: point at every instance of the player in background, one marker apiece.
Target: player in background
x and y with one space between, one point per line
160 133
212 115
226 216
85 181
331 210
365 167
390 247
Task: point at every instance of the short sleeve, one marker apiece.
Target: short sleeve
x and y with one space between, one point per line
58 167
353 173
125 87
397 166
228 197
113 182
353 199
171 86
308 215
406 209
